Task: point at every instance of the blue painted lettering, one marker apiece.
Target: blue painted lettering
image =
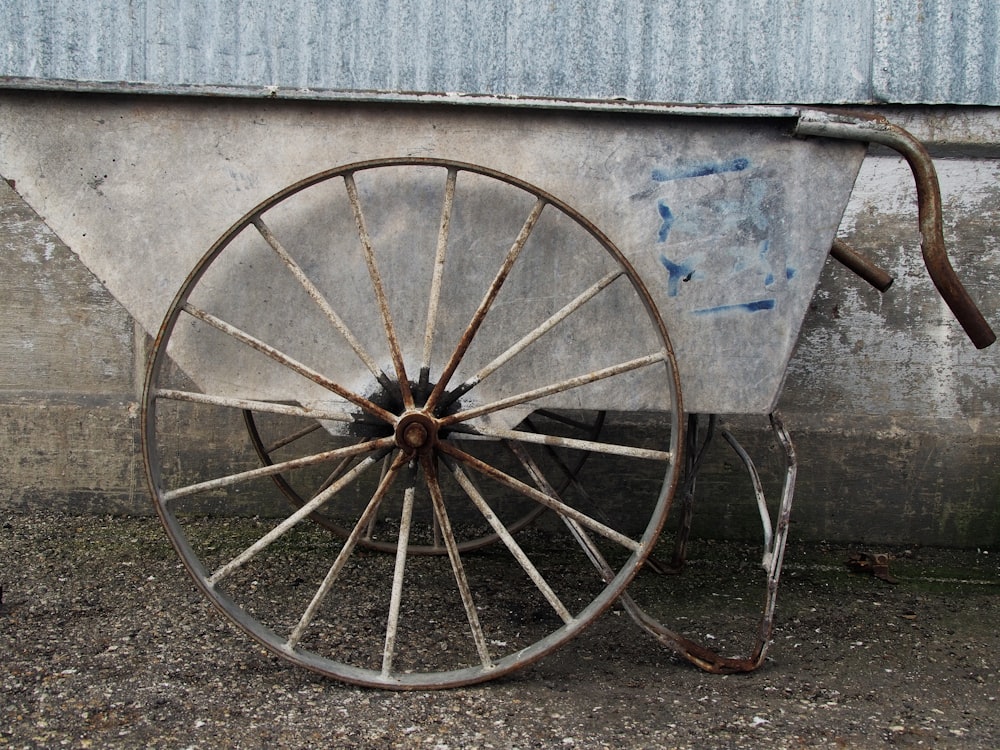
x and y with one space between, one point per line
748 307
668 220
701 170
676 273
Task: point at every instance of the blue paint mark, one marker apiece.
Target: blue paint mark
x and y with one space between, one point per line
745 258
765 264
668 220
676 273
701 170
790 273
750 307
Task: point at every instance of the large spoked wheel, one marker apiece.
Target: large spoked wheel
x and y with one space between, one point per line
279 445
422 312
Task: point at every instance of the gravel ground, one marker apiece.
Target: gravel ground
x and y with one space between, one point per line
105 643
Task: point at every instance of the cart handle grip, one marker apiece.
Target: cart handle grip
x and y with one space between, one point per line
879 130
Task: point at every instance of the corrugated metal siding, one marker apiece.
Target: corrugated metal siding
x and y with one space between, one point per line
939 51
733 51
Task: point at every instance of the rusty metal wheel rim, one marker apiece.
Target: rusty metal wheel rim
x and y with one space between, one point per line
436 409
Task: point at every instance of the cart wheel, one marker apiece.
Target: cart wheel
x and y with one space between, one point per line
423 313
285 433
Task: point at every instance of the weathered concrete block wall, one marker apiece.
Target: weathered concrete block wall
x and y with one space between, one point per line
899 409
893 411
68 379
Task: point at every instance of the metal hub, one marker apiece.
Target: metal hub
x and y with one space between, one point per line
416 431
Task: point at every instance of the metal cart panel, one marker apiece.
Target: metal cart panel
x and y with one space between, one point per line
727 219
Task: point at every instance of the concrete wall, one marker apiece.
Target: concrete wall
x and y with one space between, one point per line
894 413
68 379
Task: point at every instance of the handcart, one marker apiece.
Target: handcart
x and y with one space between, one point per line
468 348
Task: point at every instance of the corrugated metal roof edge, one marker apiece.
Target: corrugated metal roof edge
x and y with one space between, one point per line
402 97
977 135
320 94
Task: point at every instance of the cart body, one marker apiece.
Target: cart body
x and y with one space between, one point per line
726 215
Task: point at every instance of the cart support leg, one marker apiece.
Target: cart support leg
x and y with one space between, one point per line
694 453
774 552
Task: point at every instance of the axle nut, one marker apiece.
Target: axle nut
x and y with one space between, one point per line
415 435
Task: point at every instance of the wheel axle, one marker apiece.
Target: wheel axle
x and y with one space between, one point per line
416 431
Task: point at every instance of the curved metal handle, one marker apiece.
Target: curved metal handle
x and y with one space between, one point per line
879 130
